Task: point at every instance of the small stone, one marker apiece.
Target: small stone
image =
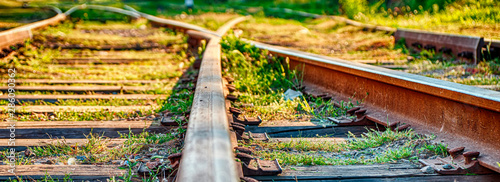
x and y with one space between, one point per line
447 166
72 161
427 170
291 94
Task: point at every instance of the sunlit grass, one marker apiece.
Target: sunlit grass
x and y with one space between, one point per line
303 152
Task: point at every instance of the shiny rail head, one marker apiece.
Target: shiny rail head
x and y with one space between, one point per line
103 8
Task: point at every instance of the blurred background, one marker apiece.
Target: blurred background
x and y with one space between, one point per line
469 17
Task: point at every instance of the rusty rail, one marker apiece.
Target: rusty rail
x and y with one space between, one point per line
460 115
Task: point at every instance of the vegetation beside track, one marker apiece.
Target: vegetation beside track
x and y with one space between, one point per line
261 80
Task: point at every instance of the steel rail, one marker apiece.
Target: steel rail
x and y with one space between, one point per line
460 115
208 154
176 24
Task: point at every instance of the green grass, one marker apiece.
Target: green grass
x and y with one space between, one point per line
391 146
102 115
262 81
98 149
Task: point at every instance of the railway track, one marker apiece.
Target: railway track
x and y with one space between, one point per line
85 129
218 119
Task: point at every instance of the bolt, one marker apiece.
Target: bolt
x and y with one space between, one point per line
471 155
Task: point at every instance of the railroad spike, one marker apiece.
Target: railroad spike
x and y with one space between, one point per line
469 156
456 151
